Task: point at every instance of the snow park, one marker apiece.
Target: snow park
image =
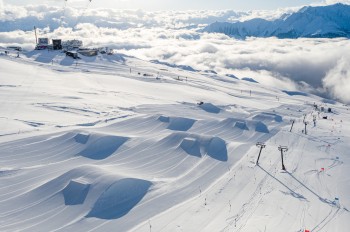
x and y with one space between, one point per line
168 116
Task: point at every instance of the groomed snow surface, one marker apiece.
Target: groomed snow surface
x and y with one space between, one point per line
113 143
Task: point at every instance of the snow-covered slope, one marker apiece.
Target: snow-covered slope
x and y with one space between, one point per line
310 22
113 143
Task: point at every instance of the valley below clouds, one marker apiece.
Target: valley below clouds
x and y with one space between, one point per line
319 66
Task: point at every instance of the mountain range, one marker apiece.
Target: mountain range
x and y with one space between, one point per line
309 22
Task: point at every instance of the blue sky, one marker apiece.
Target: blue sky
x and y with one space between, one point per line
175 4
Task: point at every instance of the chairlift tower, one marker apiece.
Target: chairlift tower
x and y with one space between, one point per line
261 146
283 149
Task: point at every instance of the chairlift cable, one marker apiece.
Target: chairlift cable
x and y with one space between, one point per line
83 13
64 12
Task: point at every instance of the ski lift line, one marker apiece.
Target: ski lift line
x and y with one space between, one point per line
64 12
79 17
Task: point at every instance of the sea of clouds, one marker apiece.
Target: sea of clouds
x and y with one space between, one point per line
318 66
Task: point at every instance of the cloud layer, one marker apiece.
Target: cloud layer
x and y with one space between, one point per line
315 65
337 80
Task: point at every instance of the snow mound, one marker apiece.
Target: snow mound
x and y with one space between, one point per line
268 117
249 79
177 123
8 171
103 146
82 138
101 192
329 101
217 149
241 125
163 118
261 127
191 146
210 108
246 128
180 124
199 145
232 76
295 93
73 186
75 192
121 197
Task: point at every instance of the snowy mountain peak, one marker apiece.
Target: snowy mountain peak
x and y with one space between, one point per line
309 22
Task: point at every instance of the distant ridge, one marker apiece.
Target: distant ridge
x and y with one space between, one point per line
309 22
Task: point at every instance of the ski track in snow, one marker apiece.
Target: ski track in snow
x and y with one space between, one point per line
138 153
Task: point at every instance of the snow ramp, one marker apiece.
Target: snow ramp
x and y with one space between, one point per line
214 147
180 123
210 108
120 198
101 146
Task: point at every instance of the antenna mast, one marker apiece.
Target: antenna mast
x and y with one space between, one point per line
36 36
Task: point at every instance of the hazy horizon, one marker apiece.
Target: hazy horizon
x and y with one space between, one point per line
155 5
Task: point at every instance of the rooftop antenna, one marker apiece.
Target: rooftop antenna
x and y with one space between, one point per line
283 149
36 36
261 146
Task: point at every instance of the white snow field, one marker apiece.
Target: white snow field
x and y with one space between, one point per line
102 144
